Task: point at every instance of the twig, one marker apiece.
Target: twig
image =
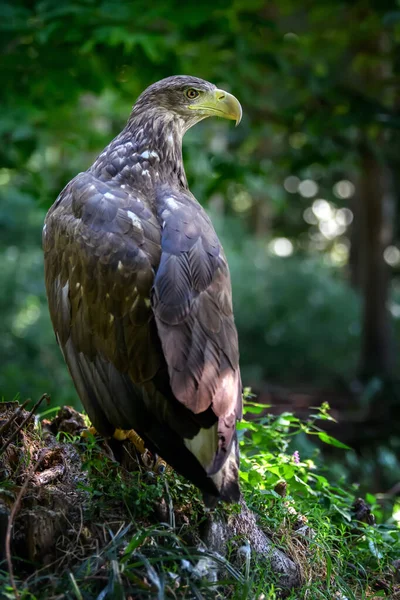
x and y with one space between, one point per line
80 526
10 421
16 432
171 512
12 516
35 573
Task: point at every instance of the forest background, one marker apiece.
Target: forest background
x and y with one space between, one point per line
304 194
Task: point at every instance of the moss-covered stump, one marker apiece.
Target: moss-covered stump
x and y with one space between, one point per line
83 518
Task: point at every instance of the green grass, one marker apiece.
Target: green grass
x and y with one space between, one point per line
123 549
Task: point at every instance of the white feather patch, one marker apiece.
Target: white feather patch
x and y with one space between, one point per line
172 203
149 154
204 445
64 292
135 220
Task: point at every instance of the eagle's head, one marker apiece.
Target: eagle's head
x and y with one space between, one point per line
190 99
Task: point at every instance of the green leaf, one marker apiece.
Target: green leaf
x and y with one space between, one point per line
288 471
275 470
370 498
254 409
136 541
328 569
345 514
304 485
255 478
328 439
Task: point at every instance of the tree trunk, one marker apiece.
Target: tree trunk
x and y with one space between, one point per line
374 235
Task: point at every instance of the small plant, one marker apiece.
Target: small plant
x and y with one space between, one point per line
108 484
139 536
330 533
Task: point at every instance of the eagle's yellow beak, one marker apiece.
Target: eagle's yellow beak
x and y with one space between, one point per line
219 104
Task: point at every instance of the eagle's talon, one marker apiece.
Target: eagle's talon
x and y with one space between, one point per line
147 459
153 462
88 432
160 466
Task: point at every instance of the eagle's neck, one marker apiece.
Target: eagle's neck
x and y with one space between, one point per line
157 146
146 154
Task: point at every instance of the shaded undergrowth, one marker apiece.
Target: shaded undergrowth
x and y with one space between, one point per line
90 527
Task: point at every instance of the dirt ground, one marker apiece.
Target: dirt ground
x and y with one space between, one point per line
68 502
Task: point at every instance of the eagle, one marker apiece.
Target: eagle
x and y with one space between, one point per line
139 292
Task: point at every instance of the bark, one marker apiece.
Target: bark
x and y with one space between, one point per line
356 261
374 235
243 526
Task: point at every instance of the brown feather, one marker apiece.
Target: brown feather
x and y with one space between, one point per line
140 299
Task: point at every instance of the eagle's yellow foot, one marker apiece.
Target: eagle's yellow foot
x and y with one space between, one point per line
153 462
150 461
132 436
88 431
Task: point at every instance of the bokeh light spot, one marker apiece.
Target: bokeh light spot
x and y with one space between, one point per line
391 256
308 188
322 209
242 201
291 184
344 216
310 217
4 176
343 189
281 247
297 140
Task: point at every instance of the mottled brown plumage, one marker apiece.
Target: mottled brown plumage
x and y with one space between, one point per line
140 296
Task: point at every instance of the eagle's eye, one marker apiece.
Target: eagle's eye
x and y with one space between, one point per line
192 93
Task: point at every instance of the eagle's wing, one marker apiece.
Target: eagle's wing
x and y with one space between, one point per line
193 307
101 245
106 255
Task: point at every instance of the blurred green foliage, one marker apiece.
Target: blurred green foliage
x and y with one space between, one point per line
286 311
313 80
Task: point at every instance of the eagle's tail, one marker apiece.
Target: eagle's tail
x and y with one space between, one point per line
226 480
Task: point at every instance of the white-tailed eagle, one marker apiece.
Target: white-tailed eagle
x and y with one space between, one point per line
140 294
